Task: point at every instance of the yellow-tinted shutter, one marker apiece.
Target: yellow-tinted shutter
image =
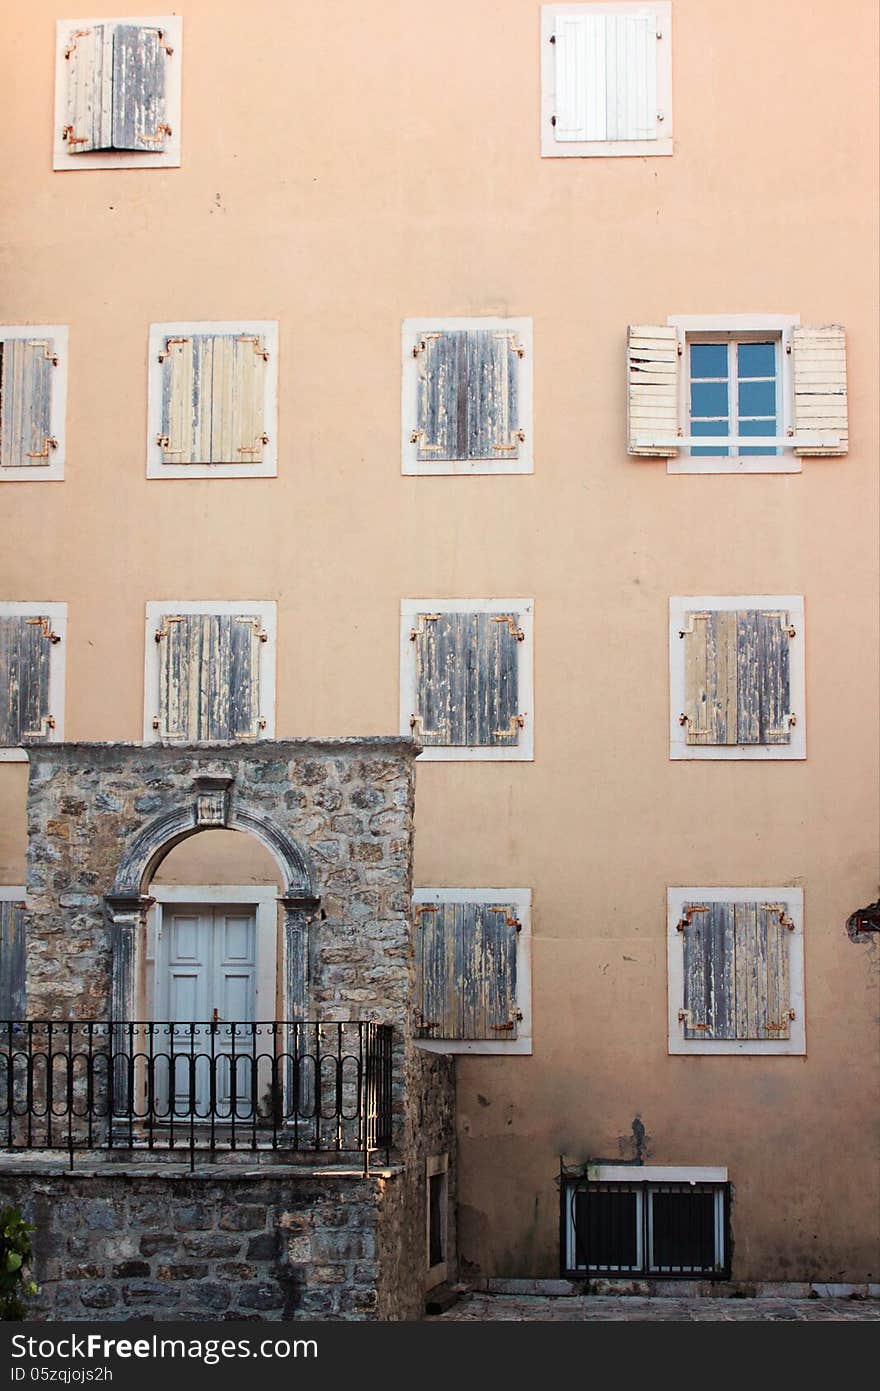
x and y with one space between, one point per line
820 405
652 390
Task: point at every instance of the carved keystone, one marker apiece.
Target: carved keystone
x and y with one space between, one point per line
212 800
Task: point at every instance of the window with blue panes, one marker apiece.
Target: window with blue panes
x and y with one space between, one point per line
734 391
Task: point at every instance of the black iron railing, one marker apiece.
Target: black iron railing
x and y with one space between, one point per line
204 1088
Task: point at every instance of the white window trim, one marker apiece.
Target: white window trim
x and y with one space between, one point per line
266 610
654 1173
411 464
793 898
725 326
169 158
263 898
53 470
57 613
437 1164
678 745
524 751
521 899
267 329
13 893
553 148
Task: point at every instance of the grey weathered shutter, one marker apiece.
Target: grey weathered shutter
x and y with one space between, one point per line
467 679
466 970
737 678
652 390
209 677
26 367
212 399
762 972
139 57
709 971
820 399
468 395
25 644
12 961
89 58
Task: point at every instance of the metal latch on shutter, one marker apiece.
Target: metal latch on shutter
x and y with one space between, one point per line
784 919
787 1014
688 917
516 723
510 1025
45 628
423 619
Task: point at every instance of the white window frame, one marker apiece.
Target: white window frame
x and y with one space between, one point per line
722 328
524 750
266 329
521 899
434 1165
169 158
411 464
53 470
793 899
57 614
266 610
553 148
262 898
679 748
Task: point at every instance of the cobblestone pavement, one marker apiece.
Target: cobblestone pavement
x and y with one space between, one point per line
608 1308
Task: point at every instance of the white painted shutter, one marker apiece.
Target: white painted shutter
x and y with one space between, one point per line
209 667
26 367
652 389
606 77
213 390
89 58
819 368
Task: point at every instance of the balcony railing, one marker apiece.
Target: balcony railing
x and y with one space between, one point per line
200 1088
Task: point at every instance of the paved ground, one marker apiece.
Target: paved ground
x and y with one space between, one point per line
542 1308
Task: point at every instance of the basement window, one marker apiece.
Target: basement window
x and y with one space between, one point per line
624 1222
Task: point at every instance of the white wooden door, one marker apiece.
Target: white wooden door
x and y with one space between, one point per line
206 978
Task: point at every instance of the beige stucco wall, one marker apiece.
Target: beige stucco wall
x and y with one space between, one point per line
346 167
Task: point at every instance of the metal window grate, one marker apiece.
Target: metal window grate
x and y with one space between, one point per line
641 1229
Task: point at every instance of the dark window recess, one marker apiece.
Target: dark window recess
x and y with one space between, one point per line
675 1230
436 1224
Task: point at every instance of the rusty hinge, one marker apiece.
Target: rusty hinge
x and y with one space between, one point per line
259 346
416 720
423 618
787 1014
688 916
784 919
509 919
68 135
162 130
423 1024
45 628
254 448
421 908
518 435
49 442
684 1019
515 347
71 42
169 344
510 1025
516 722
163 43
160 633
49 352
510 620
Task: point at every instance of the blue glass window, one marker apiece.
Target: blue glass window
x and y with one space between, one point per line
733 391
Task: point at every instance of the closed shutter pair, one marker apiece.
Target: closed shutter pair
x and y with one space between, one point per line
26 382
467 681
25 647
116 89
466 971
819 396
213 398
736 971
209 677
737 677
468 396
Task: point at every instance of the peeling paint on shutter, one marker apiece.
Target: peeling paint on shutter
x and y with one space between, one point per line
606 77
138 89
820 398
466 971
762 974
652 389
709 961
89 57
467 679
25 645
737 677
26 367
209 677
467 395
12 961
212 399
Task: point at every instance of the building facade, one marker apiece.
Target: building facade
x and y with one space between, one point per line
325 333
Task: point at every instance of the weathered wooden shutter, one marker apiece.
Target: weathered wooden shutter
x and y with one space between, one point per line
139 56
116 89
466 970
737 683
606 77
820 405
213 389
25 644
209 682
12 961
652 390
736 971
467 398
26 367
467 679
